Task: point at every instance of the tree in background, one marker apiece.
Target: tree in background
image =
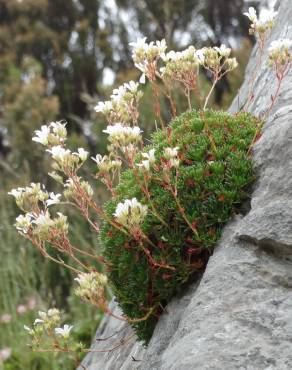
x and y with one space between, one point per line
182 22
73 40
65 37
25 104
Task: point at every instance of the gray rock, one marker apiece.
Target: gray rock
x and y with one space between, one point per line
239 316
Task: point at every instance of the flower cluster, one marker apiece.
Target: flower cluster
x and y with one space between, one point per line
64 332
34 200
74 189
123 105
30 196
217 59
42 225
280 52
46 330
146 56
148 160
46 321
91 287
181 66
53 134
171 156
121 136
131 213
263 23
66 160
105 164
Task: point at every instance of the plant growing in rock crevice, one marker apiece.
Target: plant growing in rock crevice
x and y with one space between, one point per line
169 200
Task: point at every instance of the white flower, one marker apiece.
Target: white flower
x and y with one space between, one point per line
148 160
61 224
123 135
82 154
280 52
125 93
42 315
200 55
144 53
279 45
54 199
53 134
28 329
85 280
171 55
231 63
171 152
181 66
17 193
150 156
43 219
262 23
65 331
142 79
30 195
118 93
42 135
223 51
38 321
145 165
161 45
98 159
139 44
53 312
91 286
59 153
267 16
69 183
105 164
47 320
23 223
59 129
104 107
251 14
130 213
131 86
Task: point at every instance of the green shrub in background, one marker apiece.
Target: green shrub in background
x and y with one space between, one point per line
215 170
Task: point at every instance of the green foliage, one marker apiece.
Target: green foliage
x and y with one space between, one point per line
215 170
25 274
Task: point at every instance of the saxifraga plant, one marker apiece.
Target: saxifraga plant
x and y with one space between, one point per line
169 201
204 190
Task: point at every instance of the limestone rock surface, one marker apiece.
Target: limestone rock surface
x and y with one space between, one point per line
239 316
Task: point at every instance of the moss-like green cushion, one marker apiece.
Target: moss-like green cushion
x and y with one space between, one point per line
215 169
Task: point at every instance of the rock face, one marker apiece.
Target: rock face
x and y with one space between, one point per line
239 316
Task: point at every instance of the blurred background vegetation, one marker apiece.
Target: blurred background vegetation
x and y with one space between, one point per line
57 59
